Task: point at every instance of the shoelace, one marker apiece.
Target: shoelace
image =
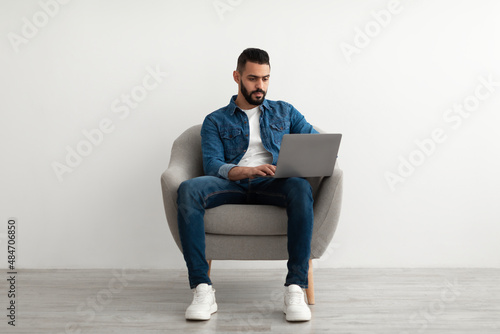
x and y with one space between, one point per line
200 297
295 298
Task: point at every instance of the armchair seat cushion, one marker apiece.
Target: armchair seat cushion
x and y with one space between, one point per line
246 219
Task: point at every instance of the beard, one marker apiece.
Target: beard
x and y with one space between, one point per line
248 96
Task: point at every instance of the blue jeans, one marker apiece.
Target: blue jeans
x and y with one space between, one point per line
204 192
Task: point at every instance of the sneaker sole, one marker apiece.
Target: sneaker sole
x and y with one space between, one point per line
296 316
202 315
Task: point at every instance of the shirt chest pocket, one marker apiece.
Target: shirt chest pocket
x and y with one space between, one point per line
278 129
234 142
281 126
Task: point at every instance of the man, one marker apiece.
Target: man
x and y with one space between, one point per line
240 144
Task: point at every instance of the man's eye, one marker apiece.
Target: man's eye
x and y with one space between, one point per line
252 79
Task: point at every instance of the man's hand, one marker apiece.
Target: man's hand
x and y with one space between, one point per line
240 173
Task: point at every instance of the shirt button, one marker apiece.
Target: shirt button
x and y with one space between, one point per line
246 135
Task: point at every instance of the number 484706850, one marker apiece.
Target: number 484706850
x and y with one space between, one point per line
11 248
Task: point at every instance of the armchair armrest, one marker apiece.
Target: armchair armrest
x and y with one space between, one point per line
185 163
170 181
326 212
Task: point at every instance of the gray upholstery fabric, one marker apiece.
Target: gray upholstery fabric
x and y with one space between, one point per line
247 232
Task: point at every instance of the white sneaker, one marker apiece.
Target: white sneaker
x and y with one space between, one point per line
203 304
295 306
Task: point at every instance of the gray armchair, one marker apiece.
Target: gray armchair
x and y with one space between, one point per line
262 233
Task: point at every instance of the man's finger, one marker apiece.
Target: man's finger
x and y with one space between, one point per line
270 171
260 172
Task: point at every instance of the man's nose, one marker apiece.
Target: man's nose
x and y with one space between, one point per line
259 84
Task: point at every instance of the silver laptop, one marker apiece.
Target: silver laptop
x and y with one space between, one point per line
307 155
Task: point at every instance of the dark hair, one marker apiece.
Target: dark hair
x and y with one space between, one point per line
252 55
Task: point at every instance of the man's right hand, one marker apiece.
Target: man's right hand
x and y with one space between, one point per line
240 173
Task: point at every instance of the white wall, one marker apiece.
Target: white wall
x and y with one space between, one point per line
393 89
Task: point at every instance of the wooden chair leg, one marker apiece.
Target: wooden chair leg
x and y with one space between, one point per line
310 289
209 267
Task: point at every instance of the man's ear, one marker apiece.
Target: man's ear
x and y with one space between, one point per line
236 77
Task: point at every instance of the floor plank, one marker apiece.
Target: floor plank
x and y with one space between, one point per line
382 301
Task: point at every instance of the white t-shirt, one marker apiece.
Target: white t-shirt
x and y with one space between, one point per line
256 154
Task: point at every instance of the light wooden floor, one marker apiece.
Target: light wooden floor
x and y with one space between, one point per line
382 301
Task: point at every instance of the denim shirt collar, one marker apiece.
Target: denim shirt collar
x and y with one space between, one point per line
232 105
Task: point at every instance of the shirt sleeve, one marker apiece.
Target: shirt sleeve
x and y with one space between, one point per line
213 151
299 123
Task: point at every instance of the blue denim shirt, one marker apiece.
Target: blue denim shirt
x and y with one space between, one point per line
225 133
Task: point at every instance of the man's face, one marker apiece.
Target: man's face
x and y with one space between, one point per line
253 82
